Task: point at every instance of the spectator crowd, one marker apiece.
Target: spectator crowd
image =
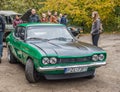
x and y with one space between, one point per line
45 18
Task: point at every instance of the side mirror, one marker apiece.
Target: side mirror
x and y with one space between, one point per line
74 31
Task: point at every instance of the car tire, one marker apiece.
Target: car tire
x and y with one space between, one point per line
11 57
31 74
91 76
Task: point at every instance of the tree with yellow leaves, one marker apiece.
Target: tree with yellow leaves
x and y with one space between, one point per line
79 11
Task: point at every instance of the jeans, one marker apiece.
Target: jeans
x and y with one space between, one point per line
1 43
95 39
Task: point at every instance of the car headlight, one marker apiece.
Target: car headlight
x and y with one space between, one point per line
95 57
101 57
53 60
45 61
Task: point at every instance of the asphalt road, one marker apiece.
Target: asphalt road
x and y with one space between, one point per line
12 77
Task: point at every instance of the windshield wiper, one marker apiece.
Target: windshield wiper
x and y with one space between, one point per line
36 38
58 38
61 38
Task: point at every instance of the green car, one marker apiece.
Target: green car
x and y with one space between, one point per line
51 51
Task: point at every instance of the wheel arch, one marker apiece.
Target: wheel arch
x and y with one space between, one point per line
35 62
29 58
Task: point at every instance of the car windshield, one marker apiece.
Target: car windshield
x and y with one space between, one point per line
48 32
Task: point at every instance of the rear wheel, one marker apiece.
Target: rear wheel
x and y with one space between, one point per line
30 72
11 57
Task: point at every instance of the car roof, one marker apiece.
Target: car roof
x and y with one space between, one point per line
8 13
40 24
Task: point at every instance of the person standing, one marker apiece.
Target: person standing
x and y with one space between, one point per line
17 21
44 18
2 28
59 18
55 17
95 31
50 17
64 19
34 18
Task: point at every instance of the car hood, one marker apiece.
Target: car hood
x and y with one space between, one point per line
64 48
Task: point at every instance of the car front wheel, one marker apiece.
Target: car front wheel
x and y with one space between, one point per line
91 76
30 72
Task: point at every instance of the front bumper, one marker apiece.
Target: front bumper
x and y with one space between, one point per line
53 68
69 76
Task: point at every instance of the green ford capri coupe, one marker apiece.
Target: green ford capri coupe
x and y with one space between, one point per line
51 51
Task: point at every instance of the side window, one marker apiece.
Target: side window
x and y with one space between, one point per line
4 18
17 31
8 20
20 32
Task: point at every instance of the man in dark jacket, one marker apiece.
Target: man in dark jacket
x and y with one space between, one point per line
2 28
64 19
34 18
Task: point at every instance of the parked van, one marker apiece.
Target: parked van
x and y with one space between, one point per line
8 17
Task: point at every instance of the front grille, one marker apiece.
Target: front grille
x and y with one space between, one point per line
74 60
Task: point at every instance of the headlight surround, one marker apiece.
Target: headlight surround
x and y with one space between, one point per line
49 60
95 57
45 61
53 60
101 57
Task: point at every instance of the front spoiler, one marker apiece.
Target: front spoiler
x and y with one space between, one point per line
53 68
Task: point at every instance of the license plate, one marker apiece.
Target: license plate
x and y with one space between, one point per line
76 69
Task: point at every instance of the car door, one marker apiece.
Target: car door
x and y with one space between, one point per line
18 41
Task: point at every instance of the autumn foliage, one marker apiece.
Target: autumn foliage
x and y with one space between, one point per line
79 11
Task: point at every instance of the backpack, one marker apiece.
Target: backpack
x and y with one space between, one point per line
101 28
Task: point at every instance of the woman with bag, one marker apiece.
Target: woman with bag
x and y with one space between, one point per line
96 28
